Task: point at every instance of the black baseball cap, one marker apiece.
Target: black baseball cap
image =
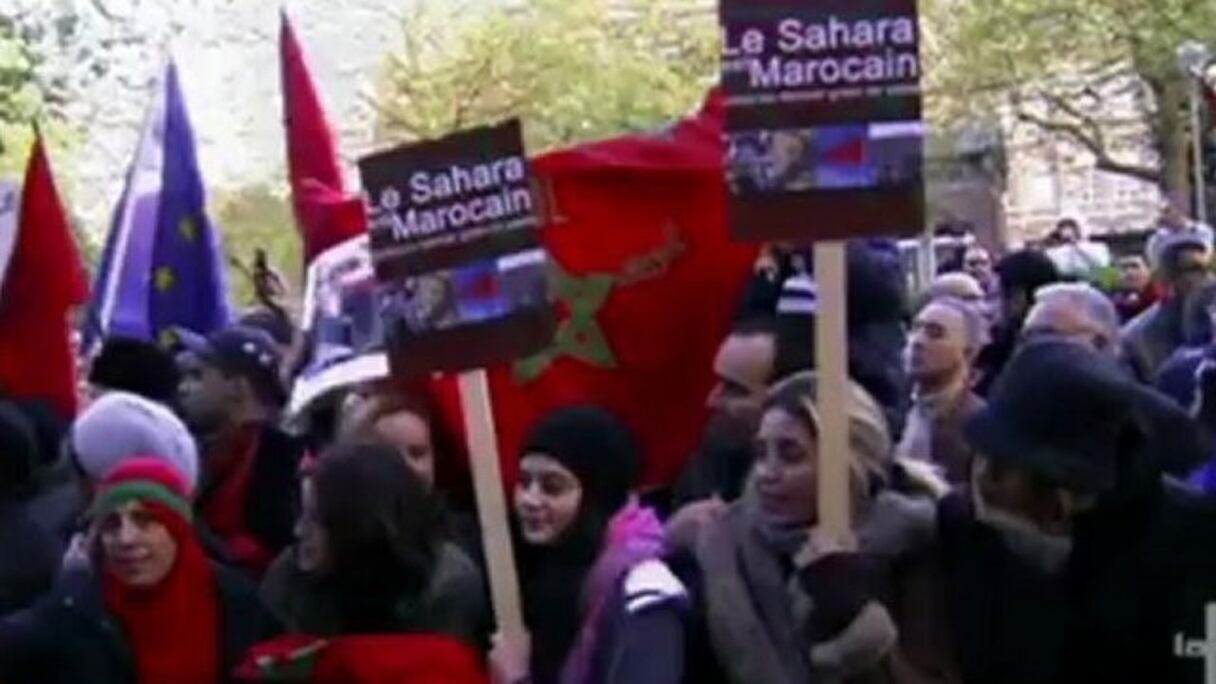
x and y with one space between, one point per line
245 351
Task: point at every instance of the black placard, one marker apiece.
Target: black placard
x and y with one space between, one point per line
824 132
462 274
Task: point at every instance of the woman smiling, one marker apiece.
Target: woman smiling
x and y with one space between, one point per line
151 608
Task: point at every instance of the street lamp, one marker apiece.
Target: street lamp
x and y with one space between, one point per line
1193 58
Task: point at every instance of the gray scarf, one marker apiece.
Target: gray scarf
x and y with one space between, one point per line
748 604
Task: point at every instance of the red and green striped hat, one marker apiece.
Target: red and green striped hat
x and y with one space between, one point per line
143 479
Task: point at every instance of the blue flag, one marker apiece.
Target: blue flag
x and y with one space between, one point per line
163 264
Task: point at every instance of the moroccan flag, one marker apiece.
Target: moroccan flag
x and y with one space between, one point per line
163 264
44 280
325 214
648 282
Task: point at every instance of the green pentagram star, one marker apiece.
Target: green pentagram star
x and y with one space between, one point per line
579 336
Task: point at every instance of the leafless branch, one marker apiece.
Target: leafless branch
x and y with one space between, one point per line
1095 144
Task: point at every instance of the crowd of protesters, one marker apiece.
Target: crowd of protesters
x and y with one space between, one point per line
1030 467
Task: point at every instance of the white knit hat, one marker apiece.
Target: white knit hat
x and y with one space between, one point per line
120 425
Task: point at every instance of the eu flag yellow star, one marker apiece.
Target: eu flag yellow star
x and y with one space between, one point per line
188 229
164 279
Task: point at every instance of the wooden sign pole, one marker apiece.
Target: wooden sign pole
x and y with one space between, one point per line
492 508
832 364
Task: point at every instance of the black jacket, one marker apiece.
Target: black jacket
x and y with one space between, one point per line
68 637
273 494
1141 573
29 560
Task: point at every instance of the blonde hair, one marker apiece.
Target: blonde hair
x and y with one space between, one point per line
870 444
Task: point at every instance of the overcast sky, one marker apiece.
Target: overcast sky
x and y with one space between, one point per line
227 55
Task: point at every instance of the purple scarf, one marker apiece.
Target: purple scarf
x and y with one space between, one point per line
634 535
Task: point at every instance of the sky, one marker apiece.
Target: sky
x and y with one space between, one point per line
227 56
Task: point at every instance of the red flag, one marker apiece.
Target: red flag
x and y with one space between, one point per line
326 216
44 281
649 285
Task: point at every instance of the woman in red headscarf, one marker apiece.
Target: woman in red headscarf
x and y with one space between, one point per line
151 609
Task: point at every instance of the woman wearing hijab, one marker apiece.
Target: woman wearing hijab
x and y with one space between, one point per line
600 605
150 609
380 594
783 602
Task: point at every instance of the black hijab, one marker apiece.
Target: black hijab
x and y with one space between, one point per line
602 453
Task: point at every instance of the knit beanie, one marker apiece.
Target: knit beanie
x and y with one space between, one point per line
120 425
594 445
137 367
143 479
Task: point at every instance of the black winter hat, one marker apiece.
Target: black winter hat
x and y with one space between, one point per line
597 447
1062 412
137 367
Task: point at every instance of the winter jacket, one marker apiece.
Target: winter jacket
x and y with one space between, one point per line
1150 338
641 634
1142 571
29 561
68 637
454 604
56 500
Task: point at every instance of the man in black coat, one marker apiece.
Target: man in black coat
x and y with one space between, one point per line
1066 562
248 492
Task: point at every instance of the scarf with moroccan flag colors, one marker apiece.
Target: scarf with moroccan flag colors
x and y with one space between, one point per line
173 627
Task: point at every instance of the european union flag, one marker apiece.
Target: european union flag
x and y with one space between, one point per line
163 264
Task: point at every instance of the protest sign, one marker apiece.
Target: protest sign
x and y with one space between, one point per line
824 132
463 277
463 284
344 328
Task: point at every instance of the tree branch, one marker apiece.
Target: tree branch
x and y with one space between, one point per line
1096 146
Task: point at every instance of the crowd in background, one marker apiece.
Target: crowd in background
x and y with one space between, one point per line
1030 466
